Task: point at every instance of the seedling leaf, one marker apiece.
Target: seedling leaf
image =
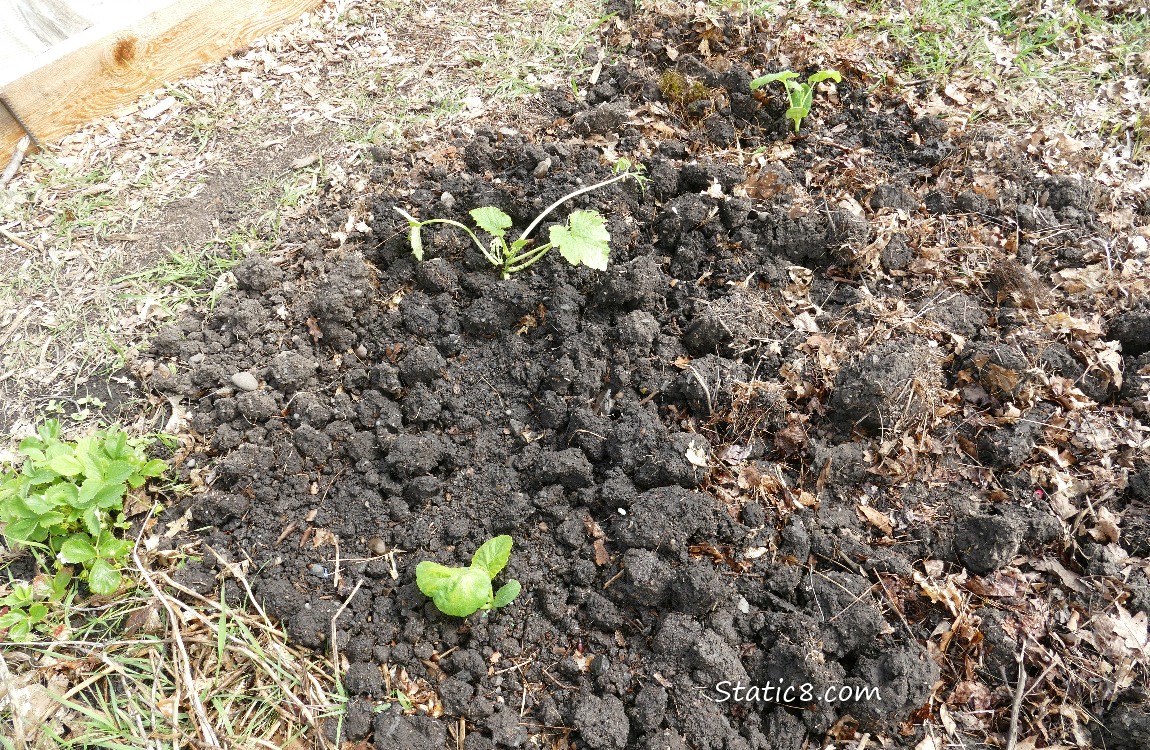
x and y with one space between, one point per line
506 594
466 591
493 555
491 220
584 240
784 76
824 75
431 577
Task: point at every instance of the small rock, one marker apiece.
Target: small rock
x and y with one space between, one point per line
245 381
542 168
448 200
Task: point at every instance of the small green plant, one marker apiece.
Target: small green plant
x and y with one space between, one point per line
583 240
67 498
801 94
461 591
26 607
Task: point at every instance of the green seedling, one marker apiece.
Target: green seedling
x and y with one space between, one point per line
26 607
67 498
801 94
461 591
583 240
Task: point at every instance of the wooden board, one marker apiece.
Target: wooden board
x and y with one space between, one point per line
113 63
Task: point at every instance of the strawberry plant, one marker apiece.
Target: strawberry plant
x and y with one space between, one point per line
801 95
583 240
461 591
67 499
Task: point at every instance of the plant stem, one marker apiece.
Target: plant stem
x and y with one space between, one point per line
539 219
519 262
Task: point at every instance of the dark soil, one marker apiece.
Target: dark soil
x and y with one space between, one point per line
680 446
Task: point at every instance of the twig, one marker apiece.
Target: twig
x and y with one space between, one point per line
1019 692
18 241
17 158
335 648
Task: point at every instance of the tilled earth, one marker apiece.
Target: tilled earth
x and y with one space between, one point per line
864 407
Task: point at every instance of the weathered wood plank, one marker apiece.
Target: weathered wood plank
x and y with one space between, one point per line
109 65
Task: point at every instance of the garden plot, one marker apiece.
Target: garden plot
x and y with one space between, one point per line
860 412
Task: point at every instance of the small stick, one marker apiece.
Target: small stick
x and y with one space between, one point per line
17 157
335 649
1019 692
16 240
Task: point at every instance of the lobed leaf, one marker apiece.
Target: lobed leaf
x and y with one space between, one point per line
491 220
584 240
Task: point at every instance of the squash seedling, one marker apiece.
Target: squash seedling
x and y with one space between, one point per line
461 591
583 240
801 94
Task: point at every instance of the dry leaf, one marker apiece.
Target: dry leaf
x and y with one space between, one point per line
876 518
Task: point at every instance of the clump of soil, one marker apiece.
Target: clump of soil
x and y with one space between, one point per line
775 443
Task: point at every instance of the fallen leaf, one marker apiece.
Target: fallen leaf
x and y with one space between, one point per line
876 518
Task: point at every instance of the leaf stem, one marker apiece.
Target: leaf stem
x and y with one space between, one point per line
520 262
581 191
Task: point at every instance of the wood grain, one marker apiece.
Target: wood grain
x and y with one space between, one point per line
113 63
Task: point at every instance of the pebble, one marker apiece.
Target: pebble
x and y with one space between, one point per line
542 168
448 200
245 381
377 546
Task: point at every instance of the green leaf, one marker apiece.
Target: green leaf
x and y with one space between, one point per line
491 220
20 631
103 579
118 472
61 495
49 431
109 496
27 530
60 583
431 577
493 555
506 594
91 518
824 75
42 475
11 618
77 548
467 590
113 548
116 445
65 464
785 77
584 240
37 612
153 468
